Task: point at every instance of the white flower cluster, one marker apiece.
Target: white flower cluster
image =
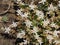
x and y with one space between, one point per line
40 14
33 16
28 23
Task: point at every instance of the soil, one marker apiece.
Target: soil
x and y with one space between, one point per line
4 40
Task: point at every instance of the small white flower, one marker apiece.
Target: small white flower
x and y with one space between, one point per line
46 22
50 37
32 6
35 29
55 8
22 14
20 35
37 12
59 3
40 41
54 25
25 15
52 7
42 1
19 11
55 33
14 24
36 36
40 14
28 23
41 17
18 1
23 32
7 29
25 42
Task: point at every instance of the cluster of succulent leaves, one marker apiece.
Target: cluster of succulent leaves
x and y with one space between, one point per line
4 18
